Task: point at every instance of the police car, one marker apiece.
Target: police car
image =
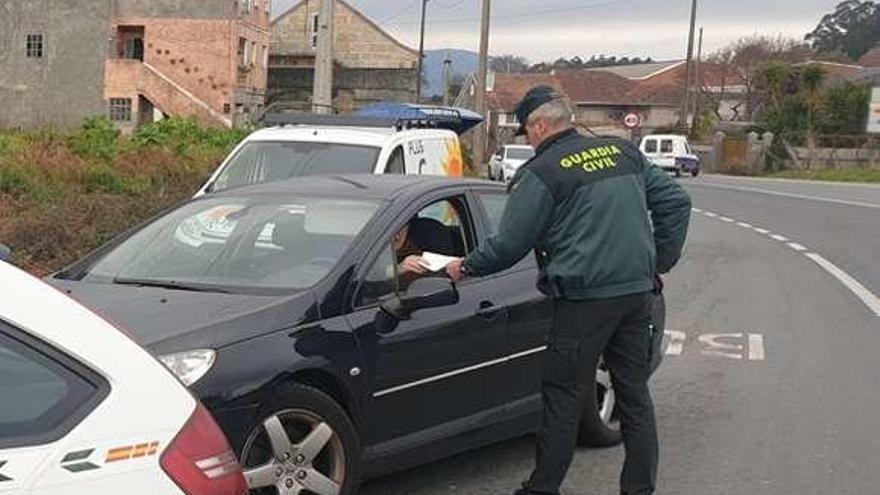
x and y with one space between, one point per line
83 409
386 139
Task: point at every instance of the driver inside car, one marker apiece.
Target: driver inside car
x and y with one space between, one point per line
410 265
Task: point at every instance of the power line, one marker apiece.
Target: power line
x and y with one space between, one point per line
398 14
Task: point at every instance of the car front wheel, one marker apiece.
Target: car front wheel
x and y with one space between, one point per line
599 424
305 443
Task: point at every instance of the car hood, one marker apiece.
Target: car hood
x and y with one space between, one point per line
167 320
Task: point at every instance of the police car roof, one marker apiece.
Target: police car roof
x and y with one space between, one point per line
368 186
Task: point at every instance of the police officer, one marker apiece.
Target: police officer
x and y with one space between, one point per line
603 222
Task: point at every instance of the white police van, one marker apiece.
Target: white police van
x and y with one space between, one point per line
296 145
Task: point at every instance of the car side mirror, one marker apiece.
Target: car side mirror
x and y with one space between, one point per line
423 293
497 158
5 253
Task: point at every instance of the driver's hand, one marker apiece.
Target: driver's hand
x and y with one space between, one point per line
413 264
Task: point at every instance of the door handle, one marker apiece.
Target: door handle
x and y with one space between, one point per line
489 310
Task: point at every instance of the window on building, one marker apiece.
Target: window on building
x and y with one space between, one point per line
120 109
35 46
242 51
268 5
265 56
253 54
134 49
315 31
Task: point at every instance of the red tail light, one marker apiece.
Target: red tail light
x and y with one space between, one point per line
200 460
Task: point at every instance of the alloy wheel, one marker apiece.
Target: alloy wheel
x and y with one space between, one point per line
294 452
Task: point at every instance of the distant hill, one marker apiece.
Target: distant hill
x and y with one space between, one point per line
463 62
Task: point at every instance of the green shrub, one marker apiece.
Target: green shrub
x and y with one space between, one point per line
97 138
102 178
17 182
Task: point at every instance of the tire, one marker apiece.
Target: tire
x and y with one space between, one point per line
300 412
599 426
695 172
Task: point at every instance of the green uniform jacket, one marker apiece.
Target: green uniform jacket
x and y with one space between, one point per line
603 221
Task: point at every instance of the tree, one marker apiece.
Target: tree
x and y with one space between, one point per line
740 62
509 63
853 28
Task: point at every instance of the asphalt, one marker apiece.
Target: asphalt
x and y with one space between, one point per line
796 415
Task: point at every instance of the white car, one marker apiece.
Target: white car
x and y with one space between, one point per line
322 145
508 160
671 153
85 410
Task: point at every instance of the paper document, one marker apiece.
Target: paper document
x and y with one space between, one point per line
436 262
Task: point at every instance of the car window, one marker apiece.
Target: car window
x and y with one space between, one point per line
238 244
666 146
520 153
494 205
381 278
651 146
441 227
42 398
396 164
264 161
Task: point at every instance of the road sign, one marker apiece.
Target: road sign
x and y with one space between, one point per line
874 112
632 120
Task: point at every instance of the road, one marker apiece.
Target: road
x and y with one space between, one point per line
771 384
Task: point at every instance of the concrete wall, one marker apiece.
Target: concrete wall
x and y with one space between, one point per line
352 88
204 9
65 85
358 42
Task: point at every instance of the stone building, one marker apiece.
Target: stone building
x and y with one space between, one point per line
369 64
132 60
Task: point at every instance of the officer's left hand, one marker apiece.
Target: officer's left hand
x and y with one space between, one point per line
453 269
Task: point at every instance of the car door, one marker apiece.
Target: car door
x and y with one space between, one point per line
436 374
45 394
529 312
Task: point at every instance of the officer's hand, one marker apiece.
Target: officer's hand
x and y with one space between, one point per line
454 270
413 264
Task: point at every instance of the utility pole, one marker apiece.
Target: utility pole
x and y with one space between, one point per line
421 54
685 104
447 82
481 132
322 96
698 83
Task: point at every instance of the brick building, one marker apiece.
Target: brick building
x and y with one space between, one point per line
133 60
369 64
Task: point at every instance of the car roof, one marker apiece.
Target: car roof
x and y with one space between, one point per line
524 146
358 136
365 186
665 136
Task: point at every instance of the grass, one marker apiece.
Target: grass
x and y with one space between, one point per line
64 193
863 175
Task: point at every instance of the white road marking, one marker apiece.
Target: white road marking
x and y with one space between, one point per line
867 297
756 347
821 199
710 214
762 231
796 246
744 225
779 238
696 210
726 219
676 342
722 349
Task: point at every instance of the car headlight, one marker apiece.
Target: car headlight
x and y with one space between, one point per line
190 366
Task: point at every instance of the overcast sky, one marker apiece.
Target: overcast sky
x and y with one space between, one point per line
549 29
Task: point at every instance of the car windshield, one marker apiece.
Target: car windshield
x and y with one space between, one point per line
235 244
266 161
520 153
